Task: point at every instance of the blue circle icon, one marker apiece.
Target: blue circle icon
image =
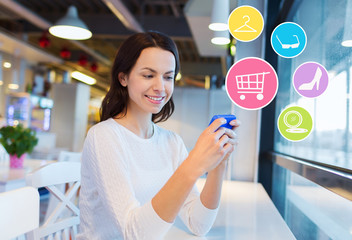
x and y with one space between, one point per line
288 39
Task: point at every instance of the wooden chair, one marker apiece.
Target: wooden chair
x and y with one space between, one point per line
58 225
19 212
64 156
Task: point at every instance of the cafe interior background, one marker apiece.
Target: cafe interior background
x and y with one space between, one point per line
41 87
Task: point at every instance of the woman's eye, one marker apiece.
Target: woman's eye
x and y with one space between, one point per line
148 76
169 77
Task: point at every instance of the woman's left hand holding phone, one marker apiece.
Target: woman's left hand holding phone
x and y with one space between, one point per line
233 140
213 145
210 195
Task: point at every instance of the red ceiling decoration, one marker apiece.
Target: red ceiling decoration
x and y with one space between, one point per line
44 41
65 53
83 60
94 67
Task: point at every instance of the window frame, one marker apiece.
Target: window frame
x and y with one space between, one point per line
333 178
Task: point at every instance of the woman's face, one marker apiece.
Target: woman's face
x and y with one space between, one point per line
151 81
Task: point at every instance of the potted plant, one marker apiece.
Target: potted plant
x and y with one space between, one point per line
17 141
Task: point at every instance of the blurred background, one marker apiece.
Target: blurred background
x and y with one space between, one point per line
309 181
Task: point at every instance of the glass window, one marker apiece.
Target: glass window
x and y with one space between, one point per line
331 139
311 211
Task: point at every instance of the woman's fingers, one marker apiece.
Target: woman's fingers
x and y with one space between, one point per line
223 140
220 132
228 149
230 133
229 137
235 124
233 142
215 144
216 124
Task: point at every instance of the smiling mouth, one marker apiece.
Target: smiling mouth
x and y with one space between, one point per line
155 98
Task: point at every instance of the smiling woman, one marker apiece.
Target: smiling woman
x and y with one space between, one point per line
151 81
136 176
115 101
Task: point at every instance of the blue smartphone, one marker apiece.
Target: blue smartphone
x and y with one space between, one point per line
228 118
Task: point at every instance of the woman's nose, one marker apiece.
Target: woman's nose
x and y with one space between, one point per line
159 84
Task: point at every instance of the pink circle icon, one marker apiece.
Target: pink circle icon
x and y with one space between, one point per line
251 83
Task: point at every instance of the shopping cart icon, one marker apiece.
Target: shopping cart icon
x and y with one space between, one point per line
251 84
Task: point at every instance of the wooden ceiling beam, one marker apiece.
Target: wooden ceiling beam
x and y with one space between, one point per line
125 16
174 8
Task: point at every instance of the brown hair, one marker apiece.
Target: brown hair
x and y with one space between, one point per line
115 101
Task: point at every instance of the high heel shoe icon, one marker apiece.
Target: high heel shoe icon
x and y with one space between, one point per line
315 81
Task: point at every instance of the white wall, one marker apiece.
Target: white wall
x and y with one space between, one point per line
69 115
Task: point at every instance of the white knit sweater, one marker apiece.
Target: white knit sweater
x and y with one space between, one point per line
121 173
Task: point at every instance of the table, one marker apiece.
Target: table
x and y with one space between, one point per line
246 212
11 178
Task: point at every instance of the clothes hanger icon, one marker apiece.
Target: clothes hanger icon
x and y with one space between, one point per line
245 27
286 46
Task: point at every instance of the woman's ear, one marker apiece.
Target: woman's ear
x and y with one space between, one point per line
122 79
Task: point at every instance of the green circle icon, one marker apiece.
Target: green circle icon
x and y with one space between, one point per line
295 123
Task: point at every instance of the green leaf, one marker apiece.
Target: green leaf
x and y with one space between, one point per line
17 139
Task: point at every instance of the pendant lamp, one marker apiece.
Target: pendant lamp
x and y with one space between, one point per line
71 27
347 31
221 38
219 15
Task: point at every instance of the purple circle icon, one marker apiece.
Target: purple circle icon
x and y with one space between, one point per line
310 79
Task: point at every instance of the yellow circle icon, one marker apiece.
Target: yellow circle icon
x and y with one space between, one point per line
245 23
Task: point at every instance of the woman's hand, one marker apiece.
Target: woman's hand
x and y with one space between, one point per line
210 195
232 135
212 146
232 140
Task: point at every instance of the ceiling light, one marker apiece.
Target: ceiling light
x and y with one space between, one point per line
347 31
13 86
219 15
83 78
178 77
71 27
221 38
7 65
207 82
347 43
220 41
232 50
218 26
